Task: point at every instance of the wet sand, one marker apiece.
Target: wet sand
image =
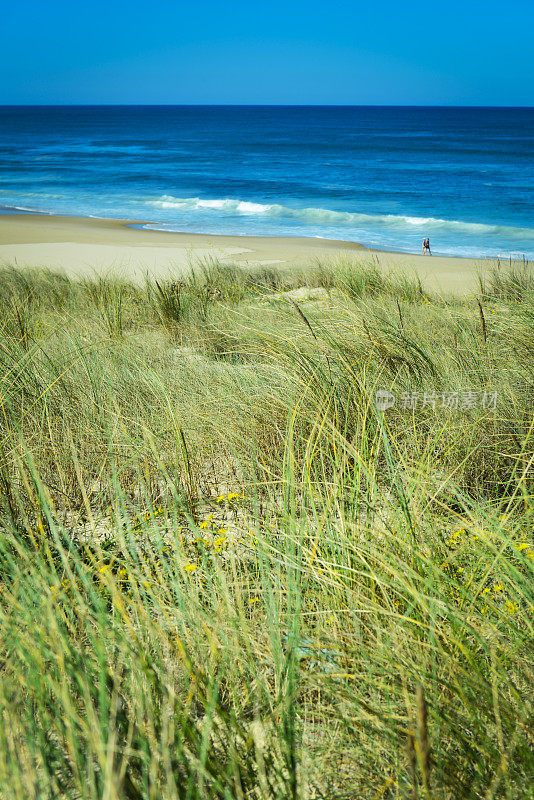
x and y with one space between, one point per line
83 247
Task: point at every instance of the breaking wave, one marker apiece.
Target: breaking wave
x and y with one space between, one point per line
325 216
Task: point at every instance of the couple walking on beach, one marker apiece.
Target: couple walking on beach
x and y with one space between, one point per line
426 247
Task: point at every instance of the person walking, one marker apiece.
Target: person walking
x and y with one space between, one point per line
426 247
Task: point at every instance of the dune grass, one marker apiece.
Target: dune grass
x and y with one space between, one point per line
225 574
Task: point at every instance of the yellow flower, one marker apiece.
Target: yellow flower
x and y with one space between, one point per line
190 567
204 524
512 608
219 541
254 600
234 496
221 498
522 546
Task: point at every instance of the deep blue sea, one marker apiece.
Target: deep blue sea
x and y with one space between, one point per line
382 176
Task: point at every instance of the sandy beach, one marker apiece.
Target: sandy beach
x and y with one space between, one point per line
83 247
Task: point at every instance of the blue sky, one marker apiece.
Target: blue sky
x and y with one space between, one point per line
460 52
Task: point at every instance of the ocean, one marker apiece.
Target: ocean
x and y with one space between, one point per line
382 176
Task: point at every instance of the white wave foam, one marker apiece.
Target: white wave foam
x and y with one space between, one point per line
27 209
327 216
195 203
210 203
252 208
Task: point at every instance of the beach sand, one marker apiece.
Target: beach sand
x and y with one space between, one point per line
85 247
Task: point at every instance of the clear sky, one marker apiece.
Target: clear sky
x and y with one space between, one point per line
460 52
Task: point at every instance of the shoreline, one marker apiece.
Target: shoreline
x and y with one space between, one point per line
85 246
134 224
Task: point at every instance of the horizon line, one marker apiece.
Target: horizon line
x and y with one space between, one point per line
260 105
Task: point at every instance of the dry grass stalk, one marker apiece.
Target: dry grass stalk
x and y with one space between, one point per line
422 736
412 766
400 313
308 325
483 321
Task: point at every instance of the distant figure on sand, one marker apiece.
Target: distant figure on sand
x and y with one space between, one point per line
426 247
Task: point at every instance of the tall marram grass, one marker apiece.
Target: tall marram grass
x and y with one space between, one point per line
225 574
